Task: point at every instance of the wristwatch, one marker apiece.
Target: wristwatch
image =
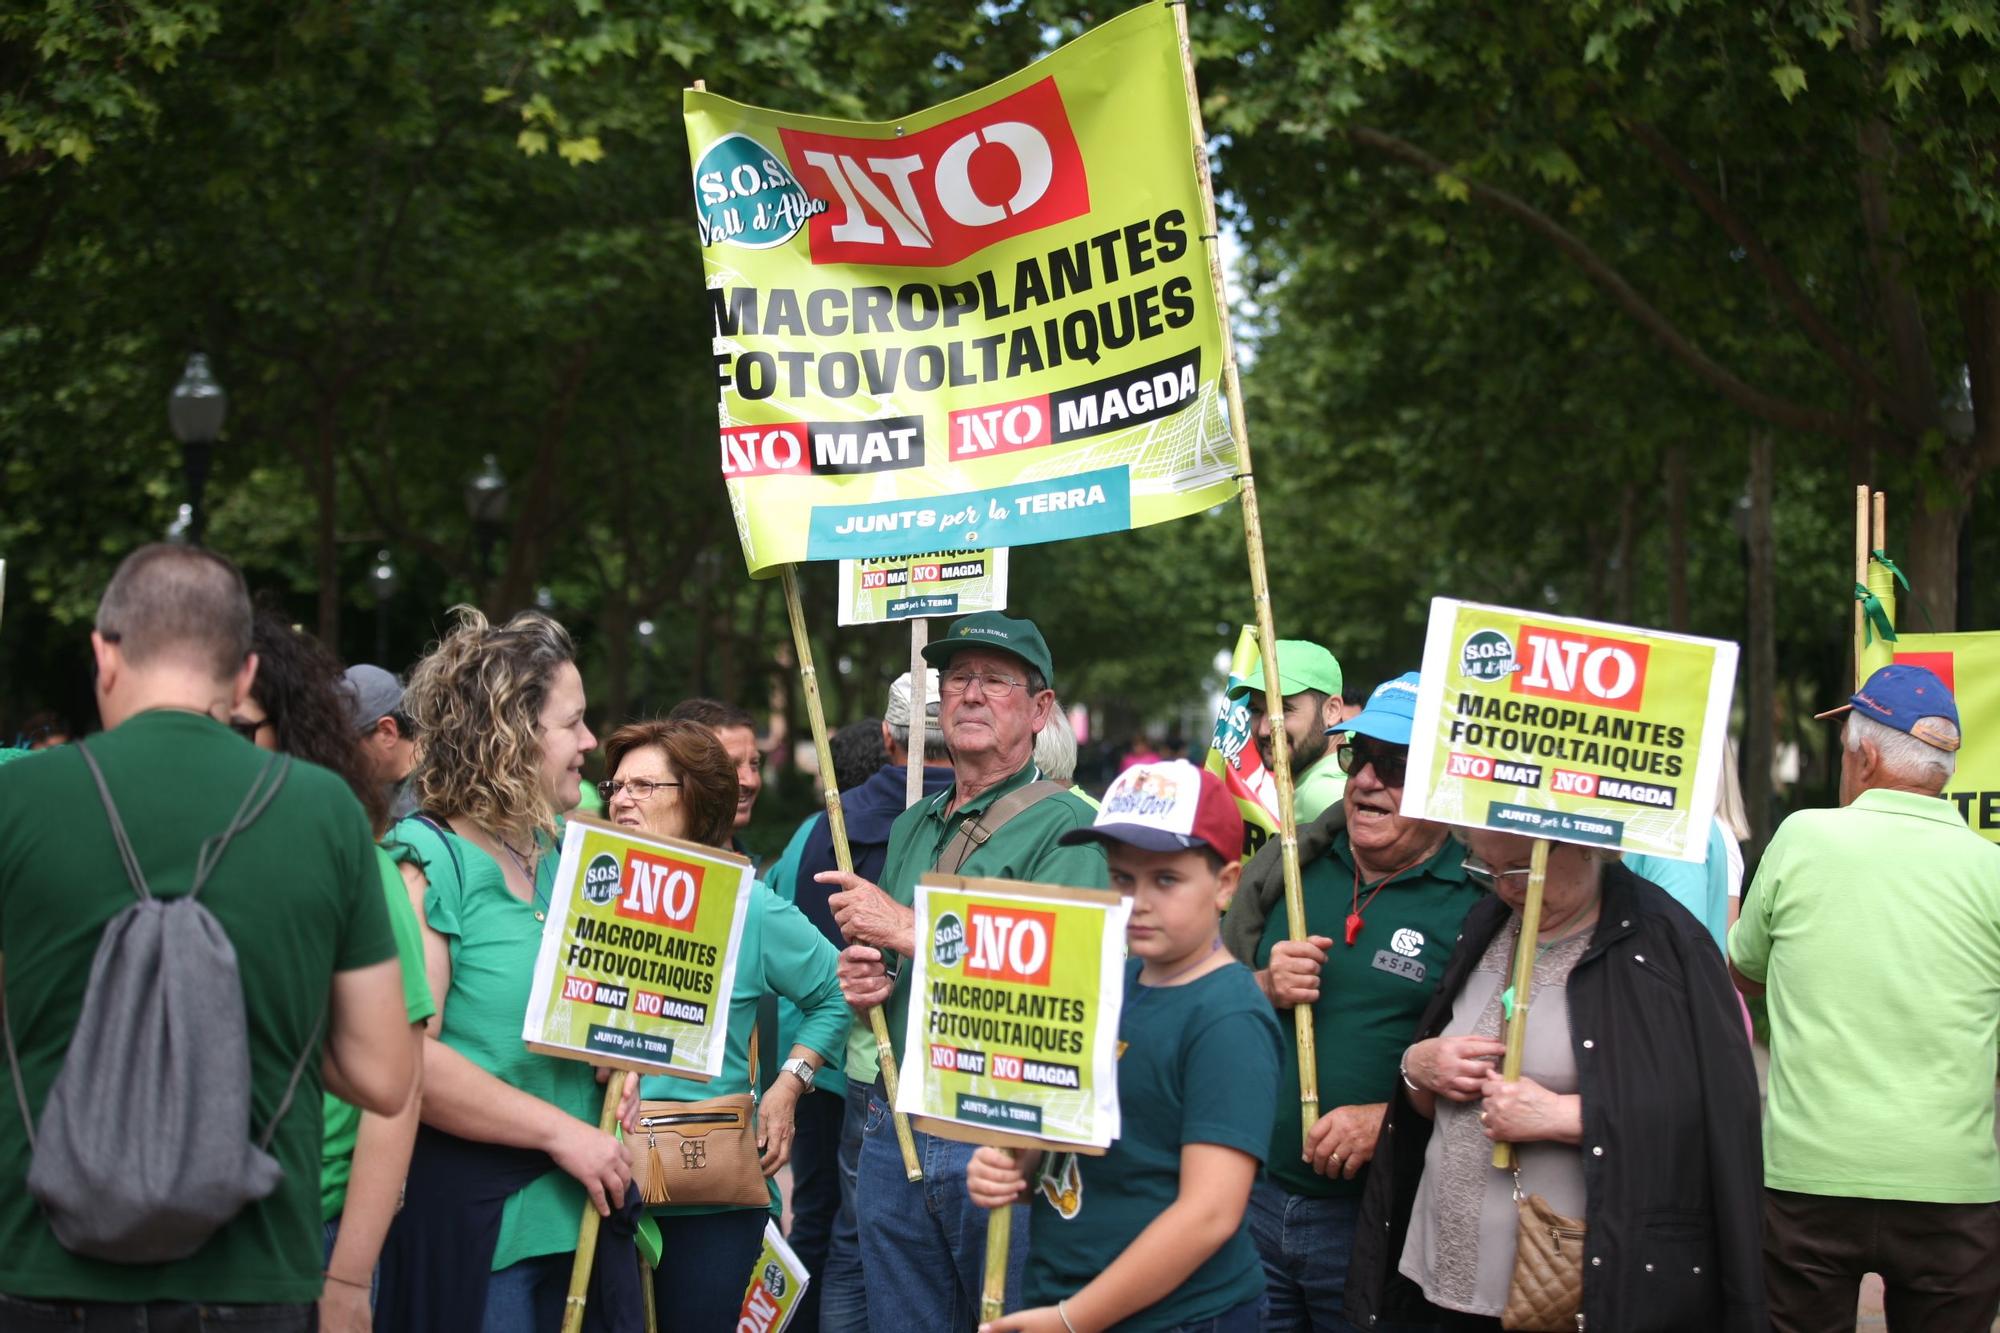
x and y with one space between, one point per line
800 1069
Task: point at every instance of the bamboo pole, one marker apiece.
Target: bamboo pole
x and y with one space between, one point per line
1260 588
586 1234
1861 507
920 633
836 822
1524 981
999 1233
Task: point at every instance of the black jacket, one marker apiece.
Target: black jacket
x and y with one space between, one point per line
1672 1162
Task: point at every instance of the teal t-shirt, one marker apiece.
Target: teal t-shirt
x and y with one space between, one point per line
782 880
1700 886
343 1121
494 938
1876 931
782 953
1372 992
1199 1065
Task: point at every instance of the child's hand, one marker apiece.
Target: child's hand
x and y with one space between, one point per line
995 1179
1045 1319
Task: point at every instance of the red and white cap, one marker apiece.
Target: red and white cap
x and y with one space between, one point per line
1168 807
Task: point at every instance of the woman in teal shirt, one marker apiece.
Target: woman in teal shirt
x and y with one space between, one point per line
674 780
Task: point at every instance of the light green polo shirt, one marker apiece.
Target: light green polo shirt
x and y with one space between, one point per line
1318 788
1876 929
1025 848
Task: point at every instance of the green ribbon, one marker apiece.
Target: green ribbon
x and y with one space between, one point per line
1874 619
1890 565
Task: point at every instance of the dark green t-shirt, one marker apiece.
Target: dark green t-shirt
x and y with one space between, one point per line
1371 993
299 895
1200 1065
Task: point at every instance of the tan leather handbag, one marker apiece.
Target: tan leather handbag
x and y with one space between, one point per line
1546 1295
702 1153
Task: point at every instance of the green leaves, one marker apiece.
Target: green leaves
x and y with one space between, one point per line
1791 80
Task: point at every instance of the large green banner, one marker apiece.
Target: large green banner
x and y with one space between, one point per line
990 323
1014 1006
1567 729
1969 665
639 952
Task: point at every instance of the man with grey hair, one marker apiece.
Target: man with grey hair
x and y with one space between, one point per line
297 891
1874 929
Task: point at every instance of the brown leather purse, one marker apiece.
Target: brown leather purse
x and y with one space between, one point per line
702 1153
1546 1295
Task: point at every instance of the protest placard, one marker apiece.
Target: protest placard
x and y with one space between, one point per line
1014 1005
777 1283
639 952
1232 751
930 583
985 324
1567 729
1969 665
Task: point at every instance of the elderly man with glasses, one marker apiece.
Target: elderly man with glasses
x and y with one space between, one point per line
923 1244
1384 896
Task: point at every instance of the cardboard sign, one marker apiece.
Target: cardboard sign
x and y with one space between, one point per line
935 583
1568 729
986 324
1014 1005
1969 665
638 952
777 1283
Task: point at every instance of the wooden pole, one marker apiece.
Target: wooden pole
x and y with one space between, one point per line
586 1234
1524 981
1260 588
920 633
999 1232
1861 516
836 822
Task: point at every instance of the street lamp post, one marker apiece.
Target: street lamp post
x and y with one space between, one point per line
385 582
486 505
195 412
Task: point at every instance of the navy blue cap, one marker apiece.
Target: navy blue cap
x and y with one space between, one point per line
1907 698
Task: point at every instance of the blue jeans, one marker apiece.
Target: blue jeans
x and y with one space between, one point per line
923 1248
528 1297
706 1260
843 1298
1305 1244
1242 1319
816 1193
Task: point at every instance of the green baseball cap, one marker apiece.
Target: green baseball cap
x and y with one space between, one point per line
990 629
1302 665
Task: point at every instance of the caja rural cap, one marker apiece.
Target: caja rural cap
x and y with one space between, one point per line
990 629
1388 714
372 694
1909 698
1302 665
1168 807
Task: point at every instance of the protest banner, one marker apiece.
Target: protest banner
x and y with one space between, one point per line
639 952
984 324
778 1281
1013 1022
1969 665
930 583
1569 729
1233 756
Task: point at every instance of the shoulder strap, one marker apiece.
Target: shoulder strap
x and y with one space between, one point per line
974 832
125 853
444 836
255 801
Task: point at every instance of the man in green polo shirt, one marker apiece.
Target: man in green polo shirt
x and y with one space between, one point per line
1384 896
1876 929
1309 678
923 1244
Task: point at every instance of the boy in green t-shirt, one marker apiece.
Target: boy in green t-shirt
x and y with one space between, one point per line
1151 1236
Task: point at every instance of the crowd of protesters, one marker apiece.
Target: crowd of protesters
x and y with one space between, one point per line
377 857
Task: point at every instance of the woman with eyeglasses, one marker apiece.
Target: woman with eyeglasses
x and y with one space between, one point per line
674 780
510 1148
1637 1112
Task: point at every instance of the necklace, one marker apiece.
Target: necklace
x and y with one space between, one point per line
527 873
1178 973
1588 919
1358 904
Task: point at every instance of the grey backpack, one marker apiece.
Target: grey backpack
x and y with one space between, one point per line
144 1146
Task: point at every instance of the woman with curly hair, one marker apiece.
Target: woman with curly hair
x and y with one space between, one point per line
296 706
510 1143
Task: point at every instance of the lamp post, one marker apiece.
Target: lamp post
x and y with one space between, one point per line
383 578
486 505
195 412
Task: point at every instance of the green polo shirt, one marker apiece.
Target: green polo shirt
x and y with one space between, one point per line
1876 929
1024 848
1372 993
1317 788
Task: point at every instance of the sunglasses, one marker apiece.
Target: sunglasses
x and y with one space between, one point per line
1391 761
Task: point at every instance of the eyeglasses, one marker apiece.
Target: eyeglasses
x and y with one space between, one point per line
997 687
1486 876
1391 762
639 788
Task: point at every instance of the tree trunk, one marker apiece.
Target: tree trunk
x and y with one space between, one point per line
615 620
326 497
1760 668
1678 617
1930 556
